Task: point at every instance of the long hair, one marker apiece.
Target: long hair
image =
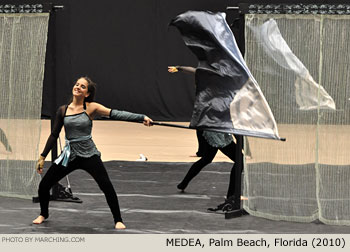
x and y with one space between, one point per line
92 86
91 89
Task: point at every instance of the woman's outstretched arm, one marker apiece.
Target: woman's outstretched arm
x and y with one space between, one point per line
95 108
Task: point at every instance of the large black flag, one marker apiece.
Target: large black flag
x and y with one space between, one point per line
228 98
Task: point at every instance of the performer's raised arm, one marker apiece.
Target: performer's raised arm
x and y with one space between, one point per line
185 69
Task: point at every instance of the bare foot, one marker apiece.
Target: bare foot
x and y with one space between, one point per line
39 220
120 225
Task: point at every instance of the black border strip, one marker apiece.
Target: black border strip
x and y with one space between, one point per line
325 9
28 8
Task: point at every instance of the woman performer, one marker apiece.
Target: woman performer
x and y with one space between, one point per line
213 141
80 151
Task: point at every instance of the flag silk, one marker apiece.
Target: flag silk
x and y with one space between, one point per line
228 98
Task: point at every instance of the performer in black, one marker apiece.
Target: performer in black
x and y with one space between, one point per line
200 140
213 141
80 151
199 133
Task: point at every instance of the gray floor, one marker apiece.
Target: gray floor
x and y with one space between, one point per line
150 203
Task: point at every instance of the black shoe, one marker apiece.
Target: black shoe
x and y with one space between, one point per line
66 193
181 187
218 208
227 206
62 193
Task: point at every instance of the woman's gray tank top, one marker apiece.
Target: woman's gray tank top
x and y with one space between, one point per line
77 126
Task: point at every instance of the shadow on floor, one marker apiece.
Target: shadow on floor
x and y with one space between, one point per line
150 203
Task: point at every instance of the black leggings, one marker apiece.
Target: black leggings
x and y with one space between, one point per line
207 158
94 167
201 143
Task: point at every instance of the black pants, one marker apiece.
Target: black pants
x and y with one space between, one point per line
94 167
201 143
208 156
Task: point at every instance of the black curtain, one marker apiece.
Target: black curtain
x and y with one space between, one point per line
126 46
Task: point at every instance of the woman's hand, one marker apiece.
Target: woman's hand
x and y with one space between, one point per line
183 69
147 121
40 164
173 69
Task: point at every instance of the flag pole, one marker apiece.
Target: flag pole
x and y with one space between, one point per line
187 127
171 125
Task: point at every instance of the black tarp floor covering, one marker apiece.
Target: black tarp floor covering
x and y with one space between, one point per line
150 203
